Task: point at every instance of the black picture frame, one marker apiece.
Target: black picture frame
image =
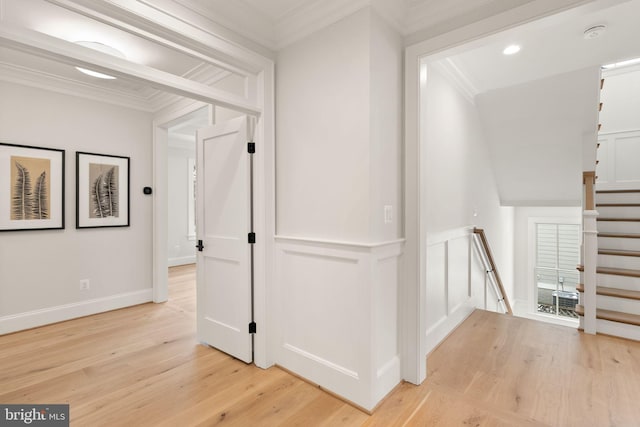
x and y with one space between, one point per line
102 190
32 188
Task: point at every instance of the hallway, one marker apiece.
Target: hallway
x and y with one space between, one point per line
141 366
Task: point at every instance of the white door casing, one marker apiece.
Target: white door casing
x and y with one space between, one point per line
223 223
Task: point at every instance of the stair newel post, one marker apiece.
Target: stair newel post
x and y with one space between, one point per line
589 252
589 261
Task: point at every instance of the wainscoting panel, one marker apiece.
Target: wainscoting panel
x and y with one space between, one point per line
337 315
618 167
450 283
436 293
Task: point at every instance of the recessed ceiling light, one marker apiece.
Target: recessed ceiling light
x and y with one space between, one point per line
100 47
510 50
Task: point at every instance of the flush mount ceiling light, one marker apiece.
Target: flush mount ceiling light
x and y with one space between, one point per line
100 47
594 32
512 49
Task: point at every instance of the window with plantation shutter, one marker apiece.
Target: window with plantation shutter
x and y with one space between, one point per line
557 255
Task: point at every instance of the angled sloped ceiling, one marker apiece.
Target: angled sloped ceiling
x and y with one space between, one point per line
535 133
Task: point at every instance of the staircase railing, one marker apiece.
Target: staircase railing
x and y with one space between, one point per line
484 250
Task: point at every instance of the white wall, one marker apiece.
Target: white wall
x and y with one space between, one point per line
537 132
322 126
460 188
621 100
339 132
338 128
459 192
40 270
181 247
386 87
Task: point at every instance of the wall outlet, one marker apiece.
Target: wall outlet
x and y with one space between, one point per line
85 285
388 214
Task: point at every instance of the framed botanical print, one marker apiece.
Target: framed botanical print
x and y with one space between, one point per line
102 190
31 188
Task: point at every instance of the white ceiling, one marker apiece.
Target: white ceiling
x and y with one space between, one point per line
539 106
277 23
551 46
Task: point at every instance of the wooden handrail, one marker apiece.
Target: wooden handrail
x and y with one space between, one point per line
589 181
492 264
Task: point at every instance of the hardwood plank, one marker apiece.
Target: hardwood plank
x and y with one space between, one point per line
619 235
613 271
613 292
616 191
142 366
614 316
619 252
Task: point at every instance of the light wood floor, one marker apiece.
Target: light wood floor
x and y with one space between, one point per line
141 366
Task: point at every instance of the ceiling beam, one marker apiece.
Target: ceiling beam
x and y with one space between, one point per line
63 51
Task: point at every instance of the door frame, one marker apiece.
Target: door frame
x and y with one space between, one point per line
172 26
264 212
413 294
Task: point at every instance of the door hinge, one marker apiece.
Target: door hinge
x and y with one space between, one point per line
251 147
252 327
200 246
252 237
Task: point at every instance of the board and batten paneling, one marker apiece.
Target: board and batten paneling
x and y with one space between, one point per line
337 315
618 167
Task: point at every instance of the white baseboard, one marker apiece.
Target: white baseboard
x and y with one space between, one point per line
441 330
174 262
46 316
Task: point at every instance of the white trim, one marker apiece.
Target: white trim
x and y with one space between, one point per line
541 203
441 330
335 367
35 318
34 78
547 318
183 260
181 30
443 236
66 52
455 76
314 241
616 329
531 311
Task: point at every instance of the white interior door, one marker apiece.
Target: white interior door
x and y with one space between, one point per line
223 224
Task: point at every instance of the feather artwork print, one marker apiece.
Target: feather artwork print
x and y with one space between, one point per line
22 201
97 198
40 206
104 193
111 188
30 200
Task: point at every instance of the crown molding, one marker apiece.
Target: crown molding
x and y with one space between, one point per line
34 78
457 78
310 17
172 25
230 19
